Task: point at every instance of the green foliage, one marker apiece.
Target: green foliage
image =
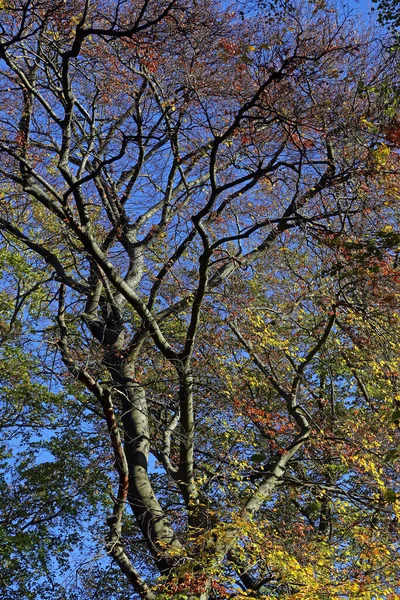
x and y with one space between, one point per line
388 12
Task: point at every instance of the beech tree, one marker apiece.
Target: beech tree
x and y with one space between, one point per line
199 330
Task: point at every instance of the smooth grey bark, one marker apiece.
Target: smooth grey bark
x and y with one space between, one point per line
148 512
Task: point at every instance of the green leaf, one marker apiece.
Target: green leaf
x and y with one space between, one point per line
390 495
392 455
312 508
258 457
395 415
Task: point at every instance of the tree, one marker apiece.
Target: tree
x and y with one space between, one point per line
199 217
388 12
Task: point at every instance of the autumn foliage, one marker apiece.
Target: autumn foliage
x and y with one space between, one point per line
199 219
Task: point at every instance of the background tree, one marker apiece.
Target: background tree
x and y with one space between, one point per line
199 215
388 12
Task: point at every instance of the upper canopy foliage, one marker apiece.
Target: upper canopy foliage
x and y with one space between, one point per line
199 302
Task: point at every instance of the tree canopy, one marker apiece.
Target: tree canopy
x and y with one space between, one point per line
199 327
388 12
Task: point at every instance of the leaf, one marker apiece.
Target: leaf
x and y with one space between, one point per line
392 455
258 457
246 59
312 508
390 495
395 416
